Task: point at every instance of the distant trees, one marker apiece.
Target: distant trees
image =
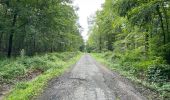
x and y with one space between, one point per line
38 26
134 27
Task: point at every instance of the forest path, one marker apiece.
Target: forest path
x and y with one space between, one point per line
89 80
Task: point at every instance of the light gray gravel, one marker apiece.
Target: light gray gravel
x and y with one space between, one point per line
89 80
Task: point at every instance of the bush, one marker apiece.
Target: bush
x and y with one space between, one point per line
152 72
10 69
29 90
158 73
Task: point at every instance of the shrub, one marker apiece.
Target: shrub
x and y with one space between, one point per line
13 70
158 73
10 69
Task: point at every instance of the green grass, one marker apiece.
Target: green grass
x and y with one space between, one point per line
52 65
106 59
11 69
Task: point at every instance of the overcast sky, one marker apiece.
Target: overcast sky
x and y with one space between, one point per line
86 8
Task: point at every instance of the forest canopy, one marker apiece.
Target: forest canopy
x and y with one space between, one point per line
136 35
36 26
137 27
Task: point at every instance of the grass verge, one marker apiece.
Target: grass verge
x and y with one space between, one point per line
28 90
162 92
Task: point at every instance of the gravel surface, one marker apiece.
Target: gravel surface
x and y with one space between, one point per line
89 80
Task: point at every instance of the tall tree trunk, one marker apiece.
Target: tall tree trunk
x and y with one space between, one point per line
162 24
110 39
34 45
10 43
166 21
1 35
100 43
146 45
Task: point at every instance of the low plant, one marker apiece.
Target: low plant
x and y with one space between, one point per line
153 73
53 66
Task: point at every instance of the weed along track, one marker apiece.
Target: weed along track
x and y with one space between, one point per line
88 80
41 42
52 65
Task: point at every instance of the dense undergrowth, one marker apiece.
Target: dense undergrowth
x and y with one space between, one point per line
13 71
153 73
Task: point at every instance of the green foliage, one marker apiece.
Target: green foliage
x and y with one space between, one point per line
21 85
138 33
153 75
29 90
38 26
159 73
138 39
139 30
10 70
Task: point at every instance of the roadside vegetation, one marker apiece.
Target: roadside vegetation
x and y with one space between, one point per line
20 73
159 88
39 40
133 36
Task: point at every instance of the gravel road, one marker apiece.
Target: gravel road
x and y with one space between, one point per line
89 80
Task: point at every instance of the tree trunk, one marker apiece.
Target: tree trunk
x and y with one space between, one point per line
100 43
10 43
1 35
166 21
146 45
110 39
162 24
34 45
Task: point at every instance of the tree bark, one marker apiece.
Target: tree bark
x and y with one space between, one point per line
146 43
162 24
100 43
1 35
166 21
10 43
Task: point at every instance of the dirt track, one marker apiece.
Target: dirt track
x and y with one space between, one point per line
89 80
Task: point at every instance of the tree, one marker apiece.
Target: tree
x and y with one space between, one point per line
38 26
133 25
